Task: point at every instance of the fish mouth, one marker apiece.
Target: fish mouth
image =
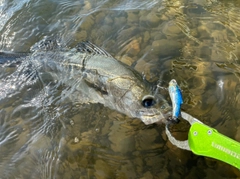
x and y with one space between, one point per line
150 119
153 116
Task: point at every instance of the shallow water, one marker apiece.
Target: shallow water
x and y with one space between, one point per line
195 42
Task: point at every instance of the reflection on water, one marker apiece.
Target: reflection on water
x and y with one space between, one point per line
195 42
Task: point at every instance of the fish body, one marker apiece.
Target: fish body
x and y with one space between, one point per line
94 76
176 98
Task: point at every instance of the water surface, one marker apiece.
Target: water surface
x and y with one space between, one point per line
195 42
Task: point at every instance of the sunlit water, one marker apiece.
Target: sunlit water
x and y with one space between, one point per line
195 42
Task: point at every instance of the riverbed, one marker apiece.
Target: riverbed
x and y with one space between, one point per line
195 42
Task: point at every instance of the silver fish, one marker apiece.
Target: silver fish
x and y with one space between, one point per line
96 77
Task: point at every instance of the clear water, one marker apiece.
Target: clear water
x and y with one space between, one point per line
195 42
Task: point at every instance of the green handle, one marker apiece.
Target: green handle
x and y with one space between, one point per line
206 141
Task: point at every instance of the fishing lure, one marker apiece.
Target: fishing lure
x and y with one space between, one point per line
176 98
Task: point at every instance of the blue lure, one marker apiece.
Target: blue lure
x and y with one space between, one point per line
176 98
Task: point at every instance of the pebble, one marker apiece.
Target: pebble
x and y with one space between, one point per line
219 55
87 23
153 20
157 36
132 17
229 123
143 67
143 17
146 36
76 139
120 20
127 171
147 175
219 36
166 47
101 33
121 141
108 20
171 30
127 33
81 36
126 59
103 170
133 48
147 140
203 31
99 18
233 15
72 122
87 6
164 174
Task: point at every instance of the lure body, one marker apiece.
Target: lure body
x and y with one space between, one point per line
176 98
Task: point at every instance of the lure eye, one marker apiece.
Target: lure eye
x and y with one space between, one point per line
148 101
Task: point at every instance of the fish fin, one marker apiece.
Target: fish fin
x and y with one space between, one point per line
86 94
98 87
88 47
46 44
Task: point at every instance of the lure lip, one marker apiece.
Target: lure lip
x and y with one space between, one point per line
173 120
173 82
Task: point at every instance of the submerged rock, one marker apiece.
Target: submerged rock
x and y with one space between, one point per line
166 47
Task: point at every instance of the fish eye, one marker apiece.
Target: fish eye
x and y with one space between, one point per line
148 101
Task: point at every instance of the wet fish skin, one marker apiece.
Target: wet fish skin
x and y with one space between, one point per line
118 86
176 98
11 58
101 79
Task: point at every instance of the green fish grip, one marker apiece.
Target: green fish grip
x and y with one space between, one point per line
206 141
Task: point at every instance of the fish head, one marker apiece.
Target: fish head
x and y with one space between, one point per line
134 98
173 82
